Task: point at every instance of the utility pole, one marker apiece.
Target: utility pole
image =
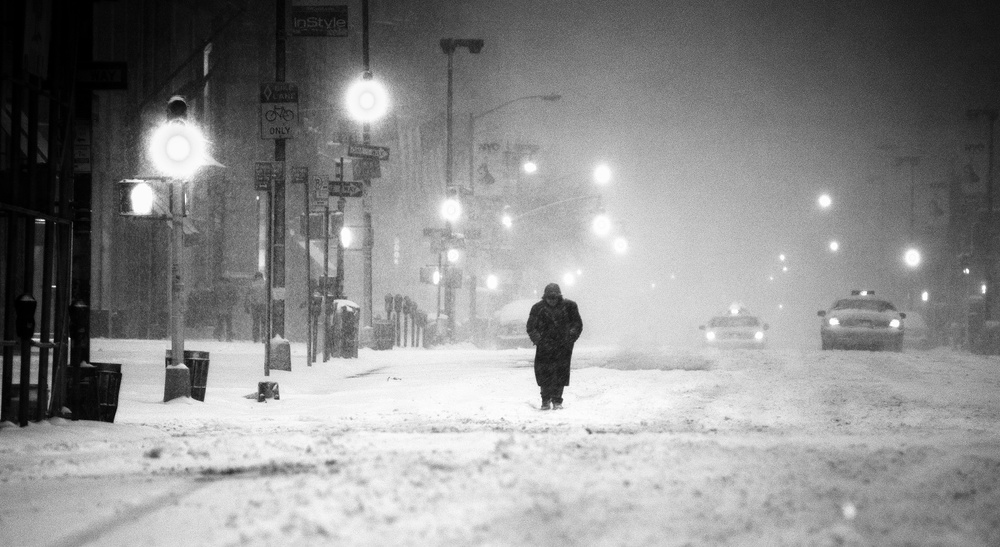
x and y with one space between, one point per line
366 207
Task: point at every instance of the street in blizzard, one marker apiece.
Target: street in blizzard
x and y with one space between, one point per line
654 446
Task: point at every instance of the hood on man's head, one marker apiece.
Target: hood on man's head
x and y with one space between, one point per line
552 289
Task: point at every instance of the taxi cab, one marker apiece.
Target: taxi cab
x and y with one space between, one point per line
862 320
735 329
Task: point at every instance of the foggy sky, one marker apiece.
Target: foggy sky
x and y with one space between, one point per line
724 121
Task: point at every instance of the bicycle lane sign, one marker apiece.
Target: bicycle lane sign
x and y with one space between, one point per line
279 110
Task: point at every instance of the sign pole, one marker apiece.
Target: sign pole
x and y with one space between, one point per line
308 272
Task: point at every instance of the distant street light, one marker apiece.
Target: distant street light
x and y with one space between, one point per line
825 201
602 225
602 174
451 210
912 258
492 282
621 245
834 246
530 167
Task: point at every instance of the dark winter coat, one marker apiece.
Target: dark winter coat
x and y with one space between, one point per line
554 330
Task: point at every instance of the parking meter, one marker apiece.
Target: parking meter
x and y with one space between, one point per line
24 320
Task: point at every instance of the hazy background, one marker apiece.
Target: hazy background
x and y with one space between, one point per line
723 122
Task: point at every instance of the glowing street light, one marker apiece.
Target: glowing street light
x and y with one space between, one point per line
367 100
602 174
912 258
530 167
492 282
451 209
834 246
177 149
601 225
925 296
452 255
621 245
825 201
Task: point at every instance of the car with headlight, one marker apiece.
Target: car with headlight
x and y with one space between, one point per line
735 329
862 321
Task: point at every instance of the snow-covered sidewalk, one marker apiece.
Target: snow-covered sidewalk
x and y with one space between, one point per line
446 446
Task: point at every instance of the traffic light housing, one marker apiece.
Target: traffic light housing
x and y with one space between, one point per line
145 198
177 108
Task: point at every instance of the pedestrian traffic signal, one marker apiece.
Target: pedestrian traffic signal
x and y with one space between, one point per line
145 198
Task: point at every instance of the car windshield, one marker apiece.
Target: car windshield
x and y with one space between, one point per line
734 321
863 304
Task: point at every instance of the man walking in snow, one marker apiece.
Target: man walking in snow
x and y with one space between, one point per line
554 325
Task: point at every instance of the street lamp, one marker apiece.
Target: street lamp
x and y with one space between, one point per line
991 115
367 100
912 258
825 201
448 46
602 174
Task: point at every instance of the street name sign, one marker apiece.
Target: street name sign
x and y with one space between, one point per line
380 153
346 188
279 110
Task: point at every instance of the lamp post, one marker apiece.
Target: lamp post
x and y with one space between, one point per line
472 129
988 263
448 46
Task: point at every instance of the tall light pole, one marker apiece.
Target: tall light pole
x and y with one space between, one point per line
989 262
448 46
177 149
472 129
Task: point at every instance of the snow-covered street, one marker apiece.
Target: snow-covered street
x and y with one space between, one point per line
655 446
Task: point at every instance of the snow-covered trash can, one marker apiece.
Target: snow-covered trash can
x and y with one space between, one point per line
197 363
346 325
281 354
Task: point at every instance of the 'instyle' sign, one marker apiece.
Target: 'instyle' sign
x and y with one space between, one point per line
319 21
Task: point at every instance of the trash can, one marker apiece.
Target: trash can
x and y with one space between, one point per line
92 391
109 383
346 324
197 363
384 334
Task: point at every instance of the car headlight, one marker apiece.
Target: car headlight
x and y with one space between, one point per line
894 324
710 335
759 335
833 321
